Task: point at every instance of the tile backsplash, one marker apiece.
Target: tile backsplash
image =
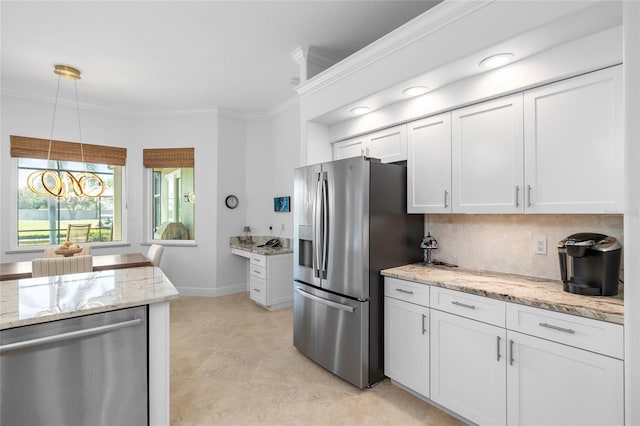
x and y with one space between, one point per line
505 243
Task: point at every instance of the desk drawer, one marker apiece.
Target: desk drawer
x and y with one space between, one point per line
258 290
258 259
480 308
407 291
585 333
258 271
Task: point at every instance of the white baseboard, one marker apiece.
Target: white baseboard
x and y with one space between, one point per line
212 292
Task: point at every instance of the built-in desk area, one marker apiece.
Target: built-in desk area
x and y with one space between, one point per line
20 270
270 270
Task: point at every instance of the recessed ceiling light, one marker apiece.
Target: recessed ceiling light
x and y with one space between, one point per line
360 110
496 61
415 91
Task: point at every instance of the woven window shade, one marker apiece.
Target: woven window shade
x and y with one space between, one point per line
168 157
24 147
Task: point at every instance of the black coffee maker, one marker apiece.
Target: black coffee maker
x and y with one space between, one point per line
590 264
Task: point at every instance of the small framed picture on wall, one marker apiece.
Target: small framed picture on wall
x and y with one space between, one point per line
281 204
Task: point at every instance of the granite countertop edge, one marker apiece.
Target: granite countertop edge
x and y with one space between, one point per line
148 289
264 251
507 287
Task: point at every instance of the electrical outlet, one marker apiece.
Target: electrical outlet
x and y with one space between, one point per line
540 246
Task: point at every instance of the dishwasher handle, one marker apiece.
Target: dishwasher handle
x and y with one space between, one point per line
67 336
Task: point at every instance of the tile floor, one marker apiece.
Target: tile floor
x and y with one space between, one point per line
234 363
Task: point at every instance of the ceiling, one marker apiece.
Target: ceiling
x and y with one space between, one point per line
146 57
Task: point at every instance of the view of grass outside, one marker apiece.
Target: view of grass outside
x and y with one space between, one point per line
43 220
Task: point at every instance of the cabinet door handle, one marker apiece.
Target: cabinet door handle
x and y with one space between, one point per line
257 290
464 305
423 328
528 195
446 198
517 196
400 290
510 352
498 347
555 327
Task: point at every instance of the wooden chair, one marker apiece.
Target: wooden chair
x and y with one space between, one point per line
78 233
46 267
155 254
51 251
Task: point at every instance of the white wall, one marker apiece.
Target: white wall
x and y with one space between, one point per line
230 276
273 152
191 269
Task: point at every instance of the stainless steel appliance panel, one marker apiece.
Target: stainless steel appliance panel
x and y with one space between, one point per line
89 370
347 263
305 246
333 331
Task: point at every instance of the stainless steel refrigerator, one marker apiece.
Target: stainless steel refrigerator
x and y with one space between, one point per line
350 222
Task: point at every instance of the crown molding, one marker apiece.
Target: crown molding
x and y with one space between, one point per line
268 114
436 18
66 102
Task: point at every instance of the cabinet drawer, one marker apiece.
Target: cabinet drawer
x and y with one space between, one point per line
258 271
585 333
468 305
258 290
258 259
407 291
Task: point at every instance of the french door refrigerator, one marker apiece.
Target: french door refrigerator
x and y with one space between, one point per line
350 222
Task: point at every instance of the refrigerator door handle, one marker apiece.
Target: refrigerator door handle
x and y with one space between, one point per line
325 226
324 301
317 206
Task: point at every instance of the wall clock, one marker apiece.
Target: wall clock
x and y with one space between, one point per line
231 201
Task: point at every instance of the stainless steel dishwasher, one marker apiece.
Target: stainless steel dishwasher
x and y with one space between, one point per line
90 370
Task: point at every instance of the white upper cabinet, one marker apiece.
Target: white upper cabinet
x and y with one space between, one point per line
349 148
573 145
487 157
429 165
388 145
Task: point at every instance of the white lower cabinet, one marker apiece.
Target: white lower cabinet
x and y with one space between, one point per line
497 363
468 372
550 383
406 350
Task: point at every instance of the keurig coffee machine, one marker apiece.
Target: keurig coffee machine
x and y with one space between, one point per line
590 264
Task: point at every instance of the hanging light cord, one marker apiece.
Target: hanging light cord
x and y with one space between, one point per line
53 120
75 84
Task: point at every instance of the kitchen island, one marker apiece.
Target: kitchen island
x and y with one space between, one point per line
45 301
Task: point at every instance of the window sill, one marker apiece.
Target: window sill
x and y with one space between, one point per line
171 243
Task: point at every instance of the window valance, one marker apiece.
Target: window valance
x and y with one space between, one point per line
26 147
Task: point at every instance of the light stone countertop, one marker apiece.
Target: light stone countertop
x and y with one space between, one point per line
252 246
539 293
39 300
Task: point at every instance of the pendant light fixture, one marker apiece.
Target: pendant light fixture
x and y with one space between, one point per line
65 183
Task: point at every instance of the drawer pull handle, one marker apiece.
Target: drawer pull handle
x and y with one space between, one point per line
464 305
257 290
256 271
555 327
404 291
423 329
510 352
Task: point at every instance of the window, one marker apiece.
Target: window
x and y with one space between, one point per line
44 220
172 193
